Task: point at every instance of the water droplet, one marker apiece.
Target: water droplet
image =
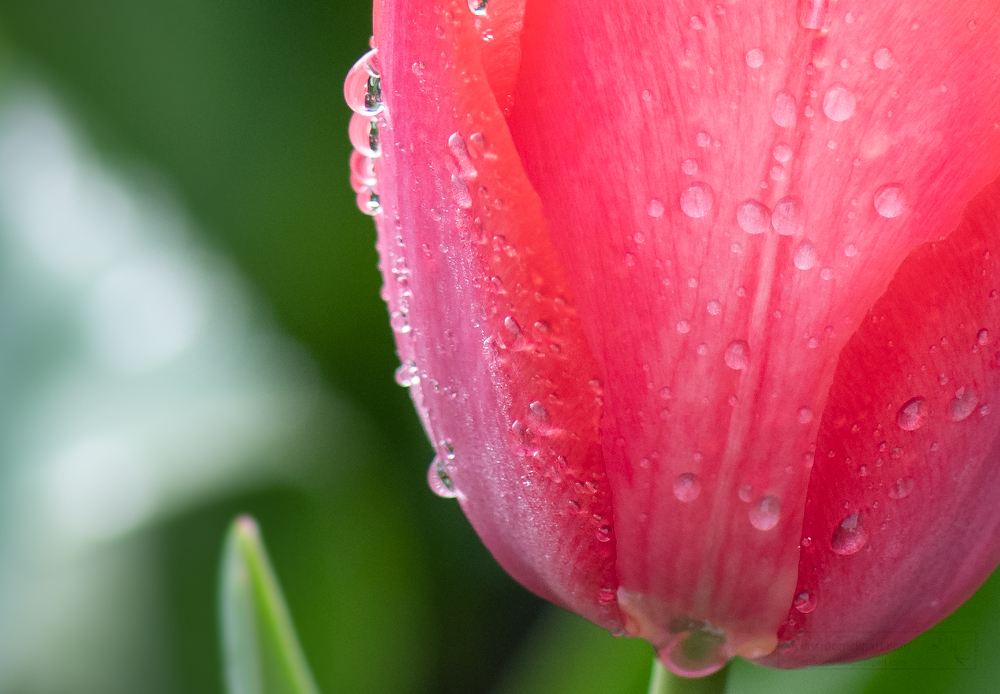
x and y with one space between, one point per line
683 327
696 652
850 250
805 256
744 493
972 25
417 69
362 171
755 57
839 102
787 217
912 414
398 322
439 480
689 166
603 533
363 86
983 336
782 152
702 349
807 541
460 151
478 7
765 512
850 536
901 488
364 135
737 355
714 308
753 217
697 200
783 109
826 273
805 415
890 201
805 602
407 374
369 202
654 208
963 404
697 23
883 59
703 139
687 487
812 13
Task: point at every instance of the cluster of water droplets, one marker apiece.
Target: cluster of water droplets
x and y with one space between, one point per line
363 93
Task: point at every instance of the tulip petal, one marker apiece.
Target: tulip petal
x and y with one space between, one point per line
733 189
923 491
484 313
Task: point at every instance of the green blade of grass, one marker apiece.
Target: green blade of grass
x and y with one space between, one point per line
261 651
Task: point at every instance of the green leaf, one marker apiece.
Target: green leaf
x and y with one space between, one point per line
261 651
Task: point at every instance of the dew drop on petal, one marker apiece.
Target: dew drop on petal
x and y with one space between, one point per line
363 86
839 102
983 336
687 487
369 202
787 217
883 59
850 536
901 488
703 139
478 7
805 602
439 481
364 135
753 217
755 57
805 256
744 493
654 208
783 109
782 152
912 414
765 512
683 327
963 404
697 200
689 166
737 355
890 201
850 250
714 307
805 415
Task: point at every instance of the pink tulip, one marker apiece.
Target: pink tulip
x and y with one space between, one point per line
698 304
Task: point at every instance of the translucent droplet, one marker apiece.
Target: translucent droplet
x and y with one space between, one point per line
362 171
755 57
912 414
787 217
696 652
697 200
687 487
439 480
753 217
826 273
689 166
683 327
812 13
850 250
805 415
890 201
363 86
654 208
805 602
478 7
901 488
883 59
983 336
714 308
369 202
805 256
737 355
782 152
364 135
850 536
839 102
703 139
783 109
744 493
407 374
964 403
703 349
697 23
460 151
765 512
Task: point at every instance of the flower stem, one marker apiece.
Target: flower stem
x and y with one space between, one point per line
662 681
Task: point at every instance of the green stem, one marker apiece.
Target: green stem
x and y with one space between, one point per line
662 681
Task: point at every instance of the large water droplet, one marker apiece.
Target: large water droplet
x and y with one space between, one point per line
787 217
439 480
737 355
695 653
765 512
655 208
839 102
883 58
912 414
964 403
363 86
890 201
805 602
755 57
687 487
697 200
478 7
901 488
369 202
362 171
753 217
812 13
364 135
783 109
805 256
850 536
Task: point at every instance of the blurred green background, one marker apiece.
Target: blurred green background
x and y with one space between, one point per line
190 327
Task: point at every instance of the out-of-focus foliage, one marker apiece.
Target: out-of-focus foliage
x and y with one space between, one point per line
190 328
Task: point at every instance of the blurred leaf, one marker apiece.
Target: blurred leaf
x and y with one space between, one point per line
262 651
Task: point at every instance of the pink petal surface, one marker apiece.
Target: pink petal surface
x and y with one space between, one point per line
644 132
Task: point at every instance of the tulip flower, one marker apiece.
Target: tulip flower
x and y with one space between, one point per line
698 304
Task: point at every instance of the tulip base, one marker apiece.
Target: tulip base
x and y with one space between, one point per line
662 681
